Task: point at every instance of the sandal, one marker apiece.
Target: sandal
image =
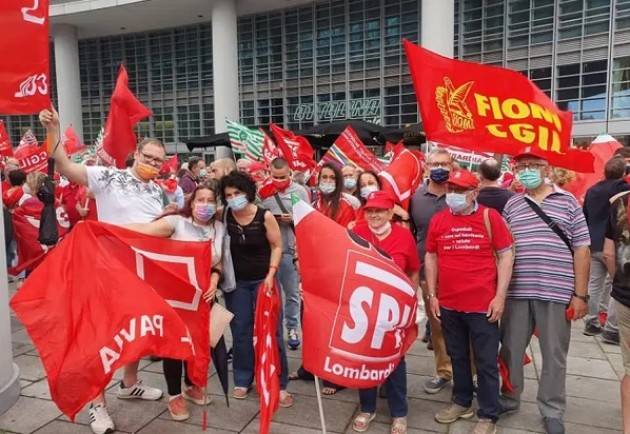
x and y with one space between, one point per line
286 399
240 392
361 422
399 425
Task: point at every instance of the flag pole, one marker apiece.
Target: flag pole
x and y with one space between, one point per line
320 405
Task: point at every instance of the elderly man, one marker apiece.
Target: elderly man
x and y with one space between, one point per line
350 174
195 169
243 164
549 284
221 167
467 288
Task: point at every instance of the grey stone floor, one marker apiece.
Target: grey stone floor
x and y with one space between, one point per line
594 370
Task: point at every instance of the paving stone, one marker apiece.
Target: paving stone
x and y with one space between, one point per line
594 388
305 413
592 412
28 414
617 364
421 414
578 336
420 365
590 368
415 389
610 349
572 428
527 418
38 389
588 350
22 337
281 428
31 368
307 388
383 428
62 427
465 426
20 348
155 367
161 426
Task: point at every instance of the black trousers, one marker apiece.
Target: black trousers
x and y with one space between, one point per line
173 370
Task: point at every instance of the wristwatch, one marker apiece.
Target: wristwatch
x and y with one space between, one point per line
584 298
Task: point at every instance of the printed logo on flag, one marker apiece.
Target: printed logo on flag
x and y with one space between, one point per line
33 85
452 104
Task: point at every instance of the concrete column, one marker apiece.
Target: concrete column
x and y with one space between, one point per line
225 68
437 27
68 77
9 371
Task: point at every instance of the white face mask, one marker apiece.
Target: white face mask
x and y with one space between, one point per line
367 190
381 230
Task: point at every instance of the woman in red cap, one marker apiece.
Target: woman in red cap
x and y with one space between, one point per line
399 243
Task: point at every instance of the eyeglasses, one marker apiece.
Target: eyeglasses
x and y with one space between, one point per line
522 166
438 164
151 159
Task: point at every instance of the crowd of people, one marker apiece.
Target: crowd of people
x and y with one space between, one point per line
496 258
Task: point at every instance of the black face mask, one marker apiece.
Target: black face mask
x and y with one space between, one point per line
439 175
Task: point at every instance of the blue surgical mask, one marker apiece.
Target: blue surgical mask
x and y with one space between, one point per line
456 201
327 187
439 175
238 203
204 212
349 183
530 178
367 190
203 173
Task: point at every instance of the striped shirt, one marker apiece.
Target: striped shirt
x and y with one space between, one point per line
543 266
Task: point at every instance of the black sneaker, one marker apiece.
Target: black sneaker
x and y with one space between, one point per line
507 405
553 425
592 329
435 384
611 338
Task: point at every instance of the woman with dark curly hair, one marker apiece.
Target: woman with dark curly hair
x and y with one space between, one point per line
256 247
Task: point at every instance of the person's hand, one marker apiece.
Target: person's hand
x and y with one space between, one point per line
208 296
268 283
434 308
400 212
285 218
352 224
495 310
171 207
580 308
49 119
82 211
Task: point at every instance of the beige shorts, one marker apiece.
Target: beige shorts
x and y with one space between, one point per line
623 321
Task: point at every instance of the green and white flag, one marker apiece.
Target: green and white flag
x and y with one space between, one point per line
246 141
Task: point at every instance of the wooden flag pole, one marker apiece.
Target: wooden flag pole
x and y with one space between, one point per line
320 405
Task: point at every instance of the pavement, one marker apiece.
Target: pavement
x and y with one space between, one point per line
594 371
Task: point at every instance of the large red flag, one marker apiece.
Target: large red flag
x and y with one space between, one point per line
295 149
267 354
403 176
359 306
348 149
90 314
72 144
270 150
6 147
486 108
125 111
25 72
31 156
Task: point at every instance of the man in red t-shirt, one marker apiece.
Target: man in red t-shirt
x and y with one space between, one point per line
469 252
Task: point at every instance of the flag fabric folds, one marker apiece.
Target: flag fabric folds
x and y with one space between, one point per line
246 141
267 354
486 108
72 144
402 176
25 71
359 307
348 149
107 296
6 147
125 111
295 149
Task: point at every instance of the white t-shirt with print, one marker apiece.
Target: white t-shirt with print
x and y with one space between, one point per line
121 198
184 229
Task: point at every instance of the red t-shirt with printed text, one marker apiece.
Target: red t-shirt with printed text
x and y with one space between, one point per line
467 271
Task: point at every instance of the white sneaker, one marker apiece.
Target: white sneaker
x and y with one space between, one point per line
100 422
138 391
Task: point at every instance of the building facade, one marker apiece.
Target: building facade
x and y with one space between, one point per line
300 63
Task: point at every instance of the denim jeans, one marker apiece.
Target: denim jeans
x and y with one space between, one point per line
396 385
242 303
461 330
288 277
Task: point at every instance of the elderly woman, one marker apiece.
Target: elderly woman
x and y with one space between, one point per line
256 248
399 243
194 222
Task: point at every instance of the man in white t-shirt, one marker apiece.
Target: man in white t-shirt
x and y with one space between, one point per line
122 197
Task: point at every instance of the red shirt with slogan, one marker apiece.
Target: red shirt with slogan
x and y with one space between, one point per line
399 244
467 271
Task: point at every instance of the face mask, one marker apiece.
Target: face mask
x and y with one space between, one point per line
281 185
367 190
439 175
147 172
203 173
382 229
327 187
530 178
456 201
204 212
349 183
238 203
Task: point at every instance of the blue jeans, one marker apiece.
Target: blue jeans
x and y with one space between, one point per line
242 303
396 385
460 330
288 277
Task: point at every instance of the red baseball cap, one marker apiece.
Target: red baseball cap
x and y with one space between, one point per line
463 178
531 152
380 200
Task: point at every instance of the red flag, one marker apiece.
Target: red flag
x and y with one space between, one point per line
31 156
6 147
486 108
170 165
125 111
25 72
359 306
270 150
72 144
267 354
295 149
88 315
403 176
348 149
603 148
